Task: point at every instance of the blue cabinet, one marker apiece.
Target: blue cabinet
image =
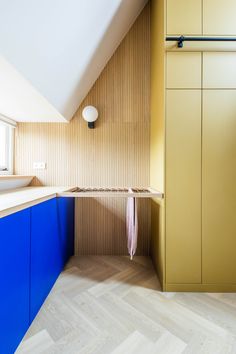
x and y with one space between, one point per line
35 245
65 207
52 243
14 279
46 260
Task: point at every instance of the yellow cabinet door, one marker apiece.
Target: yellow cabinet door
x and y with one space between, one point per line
219 187
219 17
184 17
219 70
183 70
183 186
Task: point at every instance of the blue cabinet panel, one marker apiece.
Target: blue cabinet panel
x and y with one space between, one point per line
14 279
46 252
66 226
35 245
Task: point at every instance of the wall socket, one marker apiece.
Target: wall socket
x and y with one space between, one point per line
39 165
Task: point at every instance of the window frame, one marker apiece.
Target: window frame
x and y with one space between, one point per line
8 169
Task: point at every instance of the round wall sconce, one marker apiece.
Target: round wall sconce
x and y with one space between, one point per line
90 115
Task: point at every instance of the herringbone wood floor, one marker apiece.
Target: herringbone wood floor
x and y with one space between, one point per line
106 304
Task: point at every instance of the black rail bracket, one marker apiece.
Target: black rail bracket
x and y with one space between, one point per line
181 42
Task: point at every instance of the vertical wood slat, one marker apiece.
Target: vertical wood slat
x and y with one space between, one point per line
114 154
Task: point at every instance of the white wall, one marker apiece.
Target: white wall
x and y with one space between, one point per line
60 47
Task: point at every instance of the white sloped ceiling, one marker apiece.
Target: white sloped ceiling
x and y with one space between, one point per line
52 52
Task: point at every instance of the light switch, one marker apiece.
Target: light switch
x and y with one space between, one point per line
39 165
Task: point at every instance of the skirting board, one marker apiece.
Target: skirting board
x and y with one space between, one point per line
206 288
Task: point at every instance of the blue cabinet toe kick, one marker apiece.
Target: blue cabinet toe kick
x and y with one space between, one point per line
36 244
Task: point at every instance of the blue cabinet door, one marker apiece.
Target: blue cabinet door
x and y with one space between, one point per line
46 258
14 279
66 226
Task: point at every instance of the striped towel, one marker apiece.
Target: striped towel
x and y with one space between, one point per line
132 225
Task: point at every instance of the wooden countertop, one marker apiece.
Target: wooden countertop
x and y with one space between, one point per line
18 199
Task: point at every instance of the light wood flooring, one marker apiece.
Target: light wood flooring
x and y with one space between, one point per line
106 304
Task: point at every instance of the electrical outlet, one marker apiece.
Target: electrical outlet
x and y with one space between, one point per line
39 165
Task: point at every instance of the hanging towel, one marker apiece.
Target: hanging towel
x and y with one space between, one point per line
132 225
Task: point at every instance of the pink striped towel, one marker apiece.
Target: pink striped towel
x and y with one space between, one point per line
132 225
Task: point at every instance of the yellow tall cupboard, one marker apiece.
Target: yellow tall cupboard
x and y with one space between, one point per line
194 229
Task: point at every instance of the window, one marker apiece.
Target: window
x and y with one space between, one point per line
6 149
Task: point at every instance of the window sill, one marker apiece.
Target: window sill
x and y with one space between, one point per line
5 173
13 181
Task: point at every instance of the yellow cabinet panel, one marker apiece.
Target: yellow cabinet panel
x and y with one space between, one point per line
184 16
219 17
183 70
219 186
183 186
219 70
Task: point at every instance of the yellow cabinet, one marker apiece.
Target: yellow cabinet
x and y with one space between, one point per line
183 186
219 70
219 186
184 17
196 250
183 70
219 17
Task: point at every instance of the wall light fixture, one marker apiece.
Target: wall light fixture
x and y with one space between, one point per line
90 115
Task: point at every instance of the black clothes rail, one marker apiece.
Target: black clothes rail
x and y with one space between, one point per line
181 39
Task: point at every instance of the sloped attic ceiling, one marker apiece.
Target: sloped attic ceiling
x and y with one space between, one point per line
52 52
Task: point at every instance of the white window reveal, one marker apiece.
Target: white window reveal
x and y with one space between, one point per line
6 148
